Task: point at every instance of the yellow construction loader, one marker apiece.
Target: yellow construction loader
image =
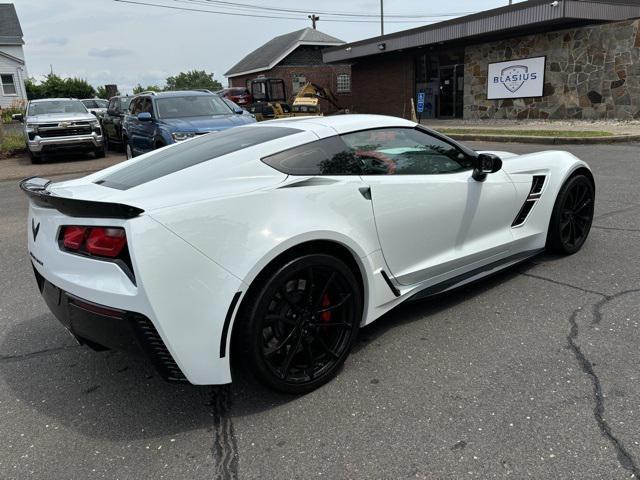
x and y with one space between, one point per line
270 100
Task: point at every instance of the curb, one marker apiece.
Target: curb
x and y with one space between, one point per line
546 140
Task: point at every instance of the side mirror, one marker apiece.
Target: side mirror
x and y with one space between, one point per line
144 116
486 163
18 116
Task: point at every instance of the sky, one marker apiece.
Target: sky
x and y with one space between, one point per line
106 41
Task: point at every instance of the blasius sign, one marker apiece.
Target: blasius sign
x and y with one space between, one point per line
516 78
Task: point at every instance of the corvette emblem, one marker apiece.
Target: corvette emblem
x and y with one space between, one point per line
513 77
35 229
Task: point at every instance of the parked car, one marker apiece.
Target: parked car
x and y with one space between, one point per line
97 106
157 119
112 121
238 95
236 108
271 244
60 124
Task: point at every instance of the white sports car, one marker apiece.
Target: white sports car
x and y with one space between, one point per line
273 243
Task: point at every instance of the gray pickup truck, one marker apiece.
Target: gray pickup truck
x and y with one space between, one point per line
60 124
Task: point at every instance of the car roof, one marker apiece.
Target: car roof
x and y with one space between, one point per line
177 93
340 123
39 100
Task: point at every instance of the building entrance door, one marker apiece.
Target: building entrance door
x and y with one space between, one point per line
450 101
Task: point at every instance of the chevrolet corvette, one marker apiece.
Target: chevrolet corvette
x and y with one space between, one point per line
271 244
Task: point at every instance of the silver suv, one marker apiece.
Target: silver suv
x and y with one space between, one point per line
60 124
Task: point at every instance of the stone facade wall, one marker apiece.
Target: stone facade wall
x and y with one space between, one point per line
591 73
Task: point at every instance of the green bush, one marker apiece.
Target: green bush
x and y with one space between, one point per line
16 107
11 144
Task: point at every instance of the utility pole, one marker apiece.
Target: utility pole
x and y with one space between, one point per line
314 18
381 17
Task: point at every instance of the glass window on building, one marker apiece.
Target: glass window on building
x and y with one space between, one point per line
8 84
344 83
299 81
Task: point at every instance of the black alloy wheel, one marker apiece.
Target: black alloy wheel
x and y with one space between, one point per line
572 215
302 323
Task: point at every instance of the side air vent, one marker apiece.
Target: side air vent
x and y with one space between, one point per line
537 184
534 194
155 348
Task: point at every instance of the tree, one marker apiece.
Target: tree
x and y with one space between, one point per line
101 92
192 80
54 86
149 88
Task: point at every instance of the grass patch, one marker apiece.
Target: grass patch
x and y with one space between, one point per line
11 144
525 133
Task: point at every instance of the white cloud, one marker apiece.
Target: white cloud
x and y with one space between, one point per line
109 52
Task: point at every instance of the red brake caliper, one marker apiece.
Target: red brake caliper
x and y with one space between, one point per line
326 316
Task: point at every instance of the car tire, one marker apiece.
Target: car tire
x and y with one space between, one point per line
299 322
34 157
101 152
572 216
128 150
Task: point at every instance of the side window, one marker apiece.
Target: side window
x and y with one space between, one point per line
135 106
329 156
147 105
404 151
113 105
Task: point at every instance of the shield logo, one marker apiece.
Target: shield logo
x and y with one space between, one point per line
64 124
514 77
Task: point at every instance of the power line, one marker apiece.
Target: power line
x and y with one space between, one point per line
237 5
237 14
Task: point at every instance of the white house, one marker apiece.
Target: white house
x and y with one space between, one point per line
12 65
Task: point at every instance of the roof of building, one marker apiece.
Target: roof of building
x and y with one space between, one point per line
10 30
272 52
518 19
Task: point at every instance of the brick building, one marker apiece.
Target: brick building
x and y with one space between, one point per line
296 57
538 59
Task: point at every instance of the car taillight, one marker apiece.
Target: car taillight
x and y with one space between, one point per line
99 241
106 242
73 237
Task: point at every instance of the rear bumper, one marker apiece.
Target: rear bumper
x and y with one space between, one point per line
102 327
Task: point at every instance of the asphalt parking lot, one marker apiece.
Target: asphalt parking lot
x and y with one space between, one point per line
531 374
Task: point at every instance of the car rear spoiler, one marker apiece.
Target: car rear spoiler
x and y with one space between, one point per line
36 189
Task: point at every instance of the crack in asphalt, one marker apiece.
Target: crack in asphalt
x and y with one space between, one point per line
616 228
225 448
615 212
38 353
624 457
564 284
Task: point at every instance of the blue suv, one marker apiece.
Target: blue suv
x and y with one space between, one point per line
156 119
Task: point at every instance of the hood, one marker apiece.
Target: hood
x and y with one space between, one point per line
61 117
209 123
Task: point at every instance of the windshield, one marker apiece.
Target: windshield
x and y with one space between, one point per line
124 103
102 103
191 106
56 106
